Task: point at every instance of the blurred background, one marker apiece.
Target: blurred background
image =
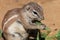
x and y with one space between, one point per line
51 9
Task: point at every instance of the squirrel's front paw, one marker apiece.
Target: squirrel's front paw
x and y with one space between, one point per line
42 26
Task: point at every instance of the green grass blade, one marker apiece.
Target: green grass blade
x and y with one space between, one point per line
38 36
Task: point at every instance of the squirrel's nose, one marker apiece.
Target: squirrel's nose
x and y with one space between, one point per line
42 18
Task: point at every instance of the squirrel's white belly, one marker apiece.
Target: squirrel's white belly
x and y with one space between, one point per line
16 27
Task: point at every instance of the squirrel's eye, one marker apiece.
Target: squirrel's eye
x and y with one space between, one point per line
35 12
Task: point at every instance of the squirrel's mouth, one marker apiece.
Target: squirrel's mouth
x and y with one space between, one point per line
34 21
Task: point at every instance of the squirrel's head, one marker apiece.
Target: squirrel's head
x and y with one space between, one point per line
34 11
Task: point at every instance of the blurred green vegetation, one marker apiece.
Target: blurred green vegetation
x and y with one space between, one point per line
0 33
45 35
58 35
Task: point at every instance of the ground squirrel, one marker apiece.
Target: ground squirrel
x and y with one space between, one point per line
17 20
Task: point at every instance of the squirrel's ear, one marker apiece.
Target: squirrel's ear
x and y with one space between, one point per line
27 7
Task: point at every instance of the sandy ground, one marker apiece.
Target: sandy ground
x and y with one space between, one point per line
51 10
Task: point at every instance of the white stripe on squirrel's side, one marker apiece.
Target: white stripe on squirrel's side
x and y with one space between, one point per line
10 19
